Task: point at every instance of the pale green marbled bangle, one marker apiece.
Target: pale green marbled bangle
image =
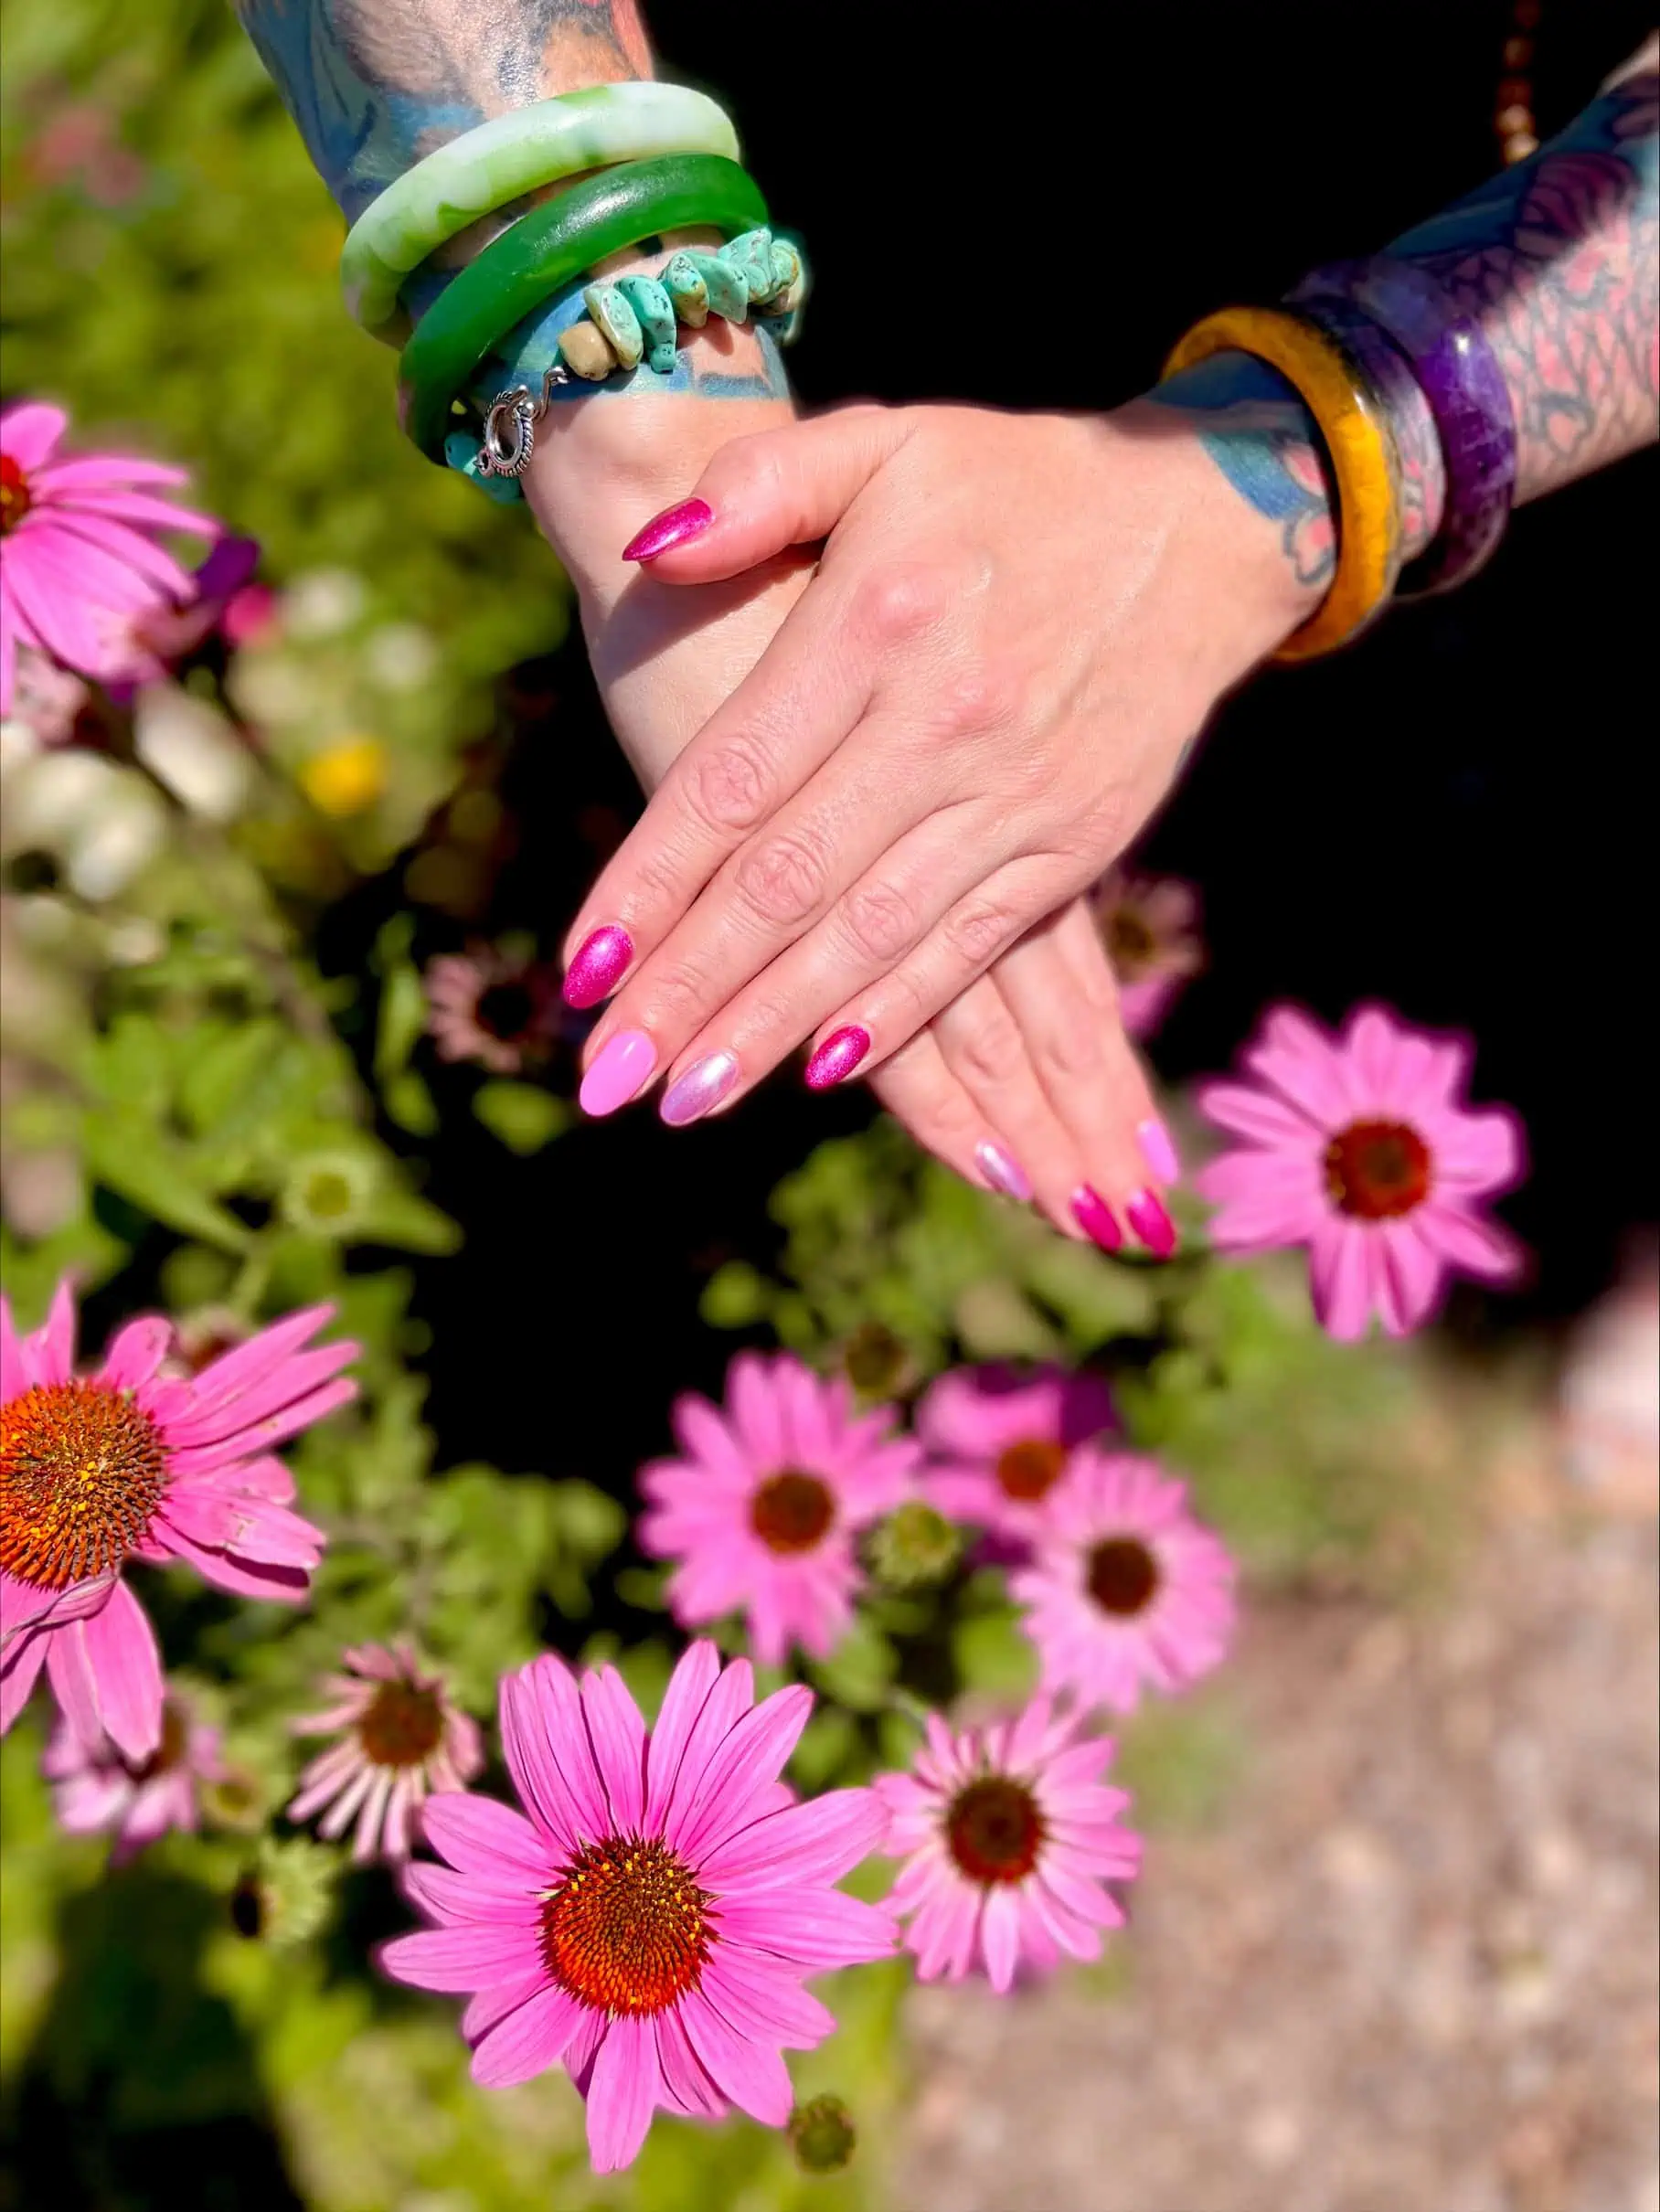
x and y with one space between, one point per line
511 154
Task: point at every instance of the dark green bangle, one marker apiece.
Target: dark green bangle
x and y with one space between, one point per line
543 252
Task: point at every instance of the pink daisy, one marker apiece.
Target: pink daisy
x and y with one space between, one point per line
1125 1587
652 1920
400 1737
999 1440
1357 1147
491 1007
96 1790
131 1463
1009 1838
762 1509
1150 926
76 564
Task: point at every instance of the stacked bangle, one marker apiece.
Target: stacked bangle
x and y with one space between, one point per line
1460 379
545 250
486 169
1359 446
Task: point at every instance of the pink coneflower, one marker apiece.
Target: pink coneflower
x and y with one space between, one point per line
75 565
496 1008
762 1509
400 1738
1009 1837
652 1921
999 1440
130 1464
1125 1587
1150 926
96 1790
1356 1147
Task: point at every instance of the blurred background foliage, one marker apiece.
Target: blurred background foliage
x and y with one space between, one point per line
222 1096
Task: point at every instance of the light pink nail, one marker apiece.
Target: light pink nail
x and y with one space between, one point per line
1158 1152
701 1088
675 526
1095 1217
1146 1216
1001 1170
622 1071
601 958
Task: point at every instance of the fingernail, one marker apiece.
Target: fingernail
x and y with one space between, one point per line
1158 1152
1094 1217
1146 1216
703 1086
599 960
623 1069
1001 1170
837 1058
674 527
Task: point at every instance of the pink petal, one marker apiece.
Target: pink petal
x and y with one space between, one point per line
1257 1116
757 1415
1481 1248
821 1928
683 1701
1371 1039
96 472
263 1436
765 2005
751 2075
753 1754
817 1842
57 617
495 2004
1477 1154
1000 1937
19 1671
367 1842
225 1377
117 566
464 1958
24 1605
141 508
620 2094
731 1697
704 1437
127 1667
243 1578
55 1342
1412 1277
528 2041
228 1417
618 1736
1298 1059
687 2087
477 1836
450 1896
1339 1266
29 431
135 1352
548 1754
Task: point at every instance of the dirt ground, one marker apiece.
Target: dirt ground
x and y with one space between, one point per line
1413 1970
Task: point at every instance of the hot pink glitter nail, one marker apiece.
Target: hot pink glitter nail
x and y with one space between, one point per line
837 1058
599 960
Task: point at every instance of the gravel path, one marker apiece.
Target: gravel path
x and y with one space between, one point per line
1413 1969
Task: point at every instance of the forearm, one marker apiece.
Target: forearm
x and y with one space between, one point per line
1557 258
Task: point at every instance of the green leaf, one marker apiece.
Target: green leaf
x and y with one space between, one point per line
413 1224
409 1103
131 1158
401 1018
735 1296
859 1670
224 1068
523 1115
993 1655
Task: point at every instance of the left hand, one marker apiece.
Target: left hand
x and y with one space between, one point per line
1015 628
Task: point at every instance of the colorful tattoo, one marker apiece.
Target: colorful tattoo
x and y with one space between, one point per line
1262 437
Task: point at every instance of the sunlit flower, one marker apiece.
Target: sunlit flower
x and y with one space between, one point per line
1150 926
347 777
652 1920
1009 1838
998 1440
1126 1590
400 1738
499 1009
96 1790
1357 1147
77 555
762 1508
131 1464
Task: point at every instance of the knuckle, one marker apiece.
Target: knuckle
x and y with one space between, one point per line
898 605
978 929
680 999
730 787
987 1052
783 879
878 921
975 696
1068 1051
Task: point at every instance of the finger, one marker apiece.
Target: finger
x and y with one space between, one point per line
981 1045
790 487
918 1088
1060 989
882 925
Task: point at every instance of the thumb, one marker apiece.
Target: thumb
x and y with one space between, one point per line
760 495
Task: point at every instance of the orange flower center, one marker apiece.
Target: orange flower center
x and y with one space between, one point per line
1124 1576
791 1512
1376 1170
995 1830
627 1929
81 1472
402 1726
1029 1469
15 498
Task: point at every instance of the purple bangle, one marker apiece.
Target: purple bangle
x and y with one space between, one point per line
1465 388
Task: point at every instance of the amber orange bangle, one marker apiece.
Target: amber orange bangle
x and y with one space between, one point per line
1359 445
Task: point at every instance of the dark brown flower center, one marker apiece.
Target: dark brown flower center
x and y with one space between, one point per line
1376 1170
995 1830
170 1752
791 1512
1132 945
15 498
1124 1576
1029 1469
402 1726
81 1472
874 1359
627 1929
507 1011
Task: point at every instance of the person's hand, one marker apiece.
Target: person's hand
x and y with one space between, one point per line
1027 1084
1016 626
